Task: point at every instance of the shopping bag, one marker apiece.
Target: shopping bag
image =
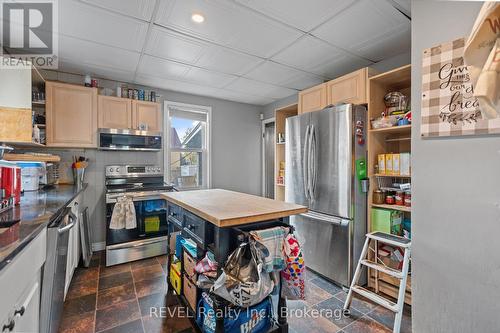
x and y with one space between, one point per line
293 276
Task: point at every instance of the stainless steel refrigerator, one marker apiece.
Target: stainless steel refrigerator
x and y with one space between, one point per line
320 172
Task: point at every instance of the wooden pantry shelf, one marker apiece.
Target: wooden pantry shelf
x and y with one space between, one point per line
392 176
393 129
393 207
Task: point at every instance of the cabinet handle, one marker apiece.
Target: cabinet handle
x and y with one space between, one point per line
20 312
191 226
9 327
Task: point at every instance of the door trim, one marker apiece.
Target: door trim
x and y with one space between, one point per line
263 152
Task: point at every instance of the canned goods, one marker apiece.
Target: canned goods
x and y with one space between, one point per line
130 93
136 94
140 94
146 96
153 96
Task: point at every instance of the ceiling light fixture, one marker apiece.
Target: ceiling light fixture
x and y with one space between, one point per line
198 18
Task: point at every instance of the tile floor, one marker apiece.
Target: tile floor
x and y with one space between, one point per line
119 299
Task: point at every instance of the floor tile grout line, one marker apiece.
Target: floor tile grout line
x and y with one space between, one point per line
137 300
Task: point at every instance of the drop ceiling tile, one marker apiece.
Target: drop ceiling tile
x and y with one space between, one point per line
367 22
66 65
304 15
80 20
261 89
174 85
228 24
241 97
170 45
141 9
209 78
280 75
89 53
225 60
161 68
315 56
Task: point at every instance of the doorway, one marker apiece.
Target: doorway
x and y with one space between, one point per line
268 146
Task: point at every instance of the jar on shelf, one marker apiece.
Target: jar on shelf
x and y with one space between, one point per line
378 197
408 199
389 199
399 198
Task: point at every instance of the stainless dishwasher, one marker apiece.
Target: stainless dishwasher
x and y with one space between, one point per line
54 272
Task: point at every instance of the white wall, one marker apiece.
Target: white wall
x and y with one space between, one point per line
456 202
236 149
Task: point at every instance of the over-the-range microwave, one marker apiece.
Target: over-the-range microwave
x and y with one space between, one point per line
128 139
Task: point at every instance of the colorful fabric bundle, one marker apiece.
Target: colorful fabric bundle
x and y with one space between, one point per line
293 276
207 266
272 239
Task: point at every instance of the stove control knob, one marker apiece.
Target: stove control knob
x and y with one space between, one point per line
158 170
117 169
111 170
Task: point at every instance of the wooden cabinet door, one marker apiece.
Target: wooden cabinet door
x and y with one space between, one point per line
312 99
147 113
350 88
114 112
71 115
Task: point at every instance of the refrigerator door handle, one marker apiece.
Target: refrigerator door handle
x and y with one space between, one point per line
305 163
312 162
325 218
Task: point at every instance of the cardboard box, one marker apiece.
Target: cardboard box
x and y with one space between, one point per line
387 220
191 293
388 164
189 265
381 164
395 164
405 164
173 239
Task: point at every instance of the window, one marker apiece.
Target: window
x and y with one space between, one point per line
187 154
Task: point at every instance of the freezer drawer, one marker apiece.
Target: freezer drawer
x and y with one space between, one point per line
326 245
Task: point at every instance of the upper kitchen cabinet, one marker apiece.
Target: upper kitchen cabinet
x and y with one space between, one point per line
313 99
146 115
15 103
350 88
71 112
114 112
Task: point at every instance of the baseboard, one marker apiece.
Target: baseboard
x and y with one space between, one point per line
100 246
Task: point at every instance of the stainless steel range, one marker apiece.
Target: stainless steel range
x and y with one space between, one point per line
142 184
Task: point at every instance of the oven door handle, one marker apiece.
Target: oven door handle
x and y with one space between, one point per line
136 244
135 198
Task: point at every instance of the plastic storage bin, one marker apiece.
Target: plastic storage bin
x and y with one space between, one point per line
175 275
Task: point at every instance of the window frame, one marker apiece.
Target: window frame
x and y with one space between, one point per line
206 151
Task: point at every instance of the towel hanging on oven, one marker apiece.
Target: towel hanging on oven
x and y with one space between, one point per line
123 215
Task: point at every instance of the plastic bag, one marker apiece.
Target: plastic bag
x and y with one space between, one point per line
293 276
243 281
207 266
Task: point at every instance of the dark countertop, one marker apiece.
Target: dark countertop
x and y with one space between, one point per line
35 212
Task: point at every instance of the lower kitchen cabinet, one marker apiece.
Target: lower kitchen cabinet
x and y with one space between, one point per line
21 281
71 112
74 249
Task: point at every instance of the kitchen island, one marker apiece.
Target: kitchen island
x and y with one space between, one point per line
214 219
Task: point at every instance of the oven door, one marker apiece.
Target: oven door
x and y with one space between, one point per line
117 139
151 216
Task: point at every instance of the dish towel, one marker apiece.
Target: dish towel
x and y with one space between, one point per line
482 56
123 216
272 239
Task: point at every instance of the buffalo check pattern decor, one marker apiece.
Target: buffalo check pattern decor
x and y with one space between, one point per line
449 107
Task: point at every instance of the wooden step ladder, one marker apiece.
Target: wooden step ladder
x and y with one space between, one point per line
397 308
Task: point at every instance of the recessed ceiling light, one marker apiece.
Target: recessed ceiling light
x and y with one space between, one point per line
198 18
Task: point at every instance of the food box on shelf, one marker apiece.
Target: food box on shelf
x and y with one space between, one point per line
387 220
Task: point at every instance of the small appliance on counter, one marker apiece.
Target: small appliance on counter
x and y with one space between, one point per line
10 185
139 186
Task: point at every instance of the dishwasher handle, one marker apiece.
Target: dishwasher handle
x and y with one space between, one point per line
71 224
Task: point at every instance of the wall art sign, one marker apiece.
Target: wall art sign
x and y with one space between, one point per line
449 107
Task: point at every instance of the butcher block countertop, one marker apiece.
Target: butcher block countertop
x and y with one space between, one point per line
227 208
